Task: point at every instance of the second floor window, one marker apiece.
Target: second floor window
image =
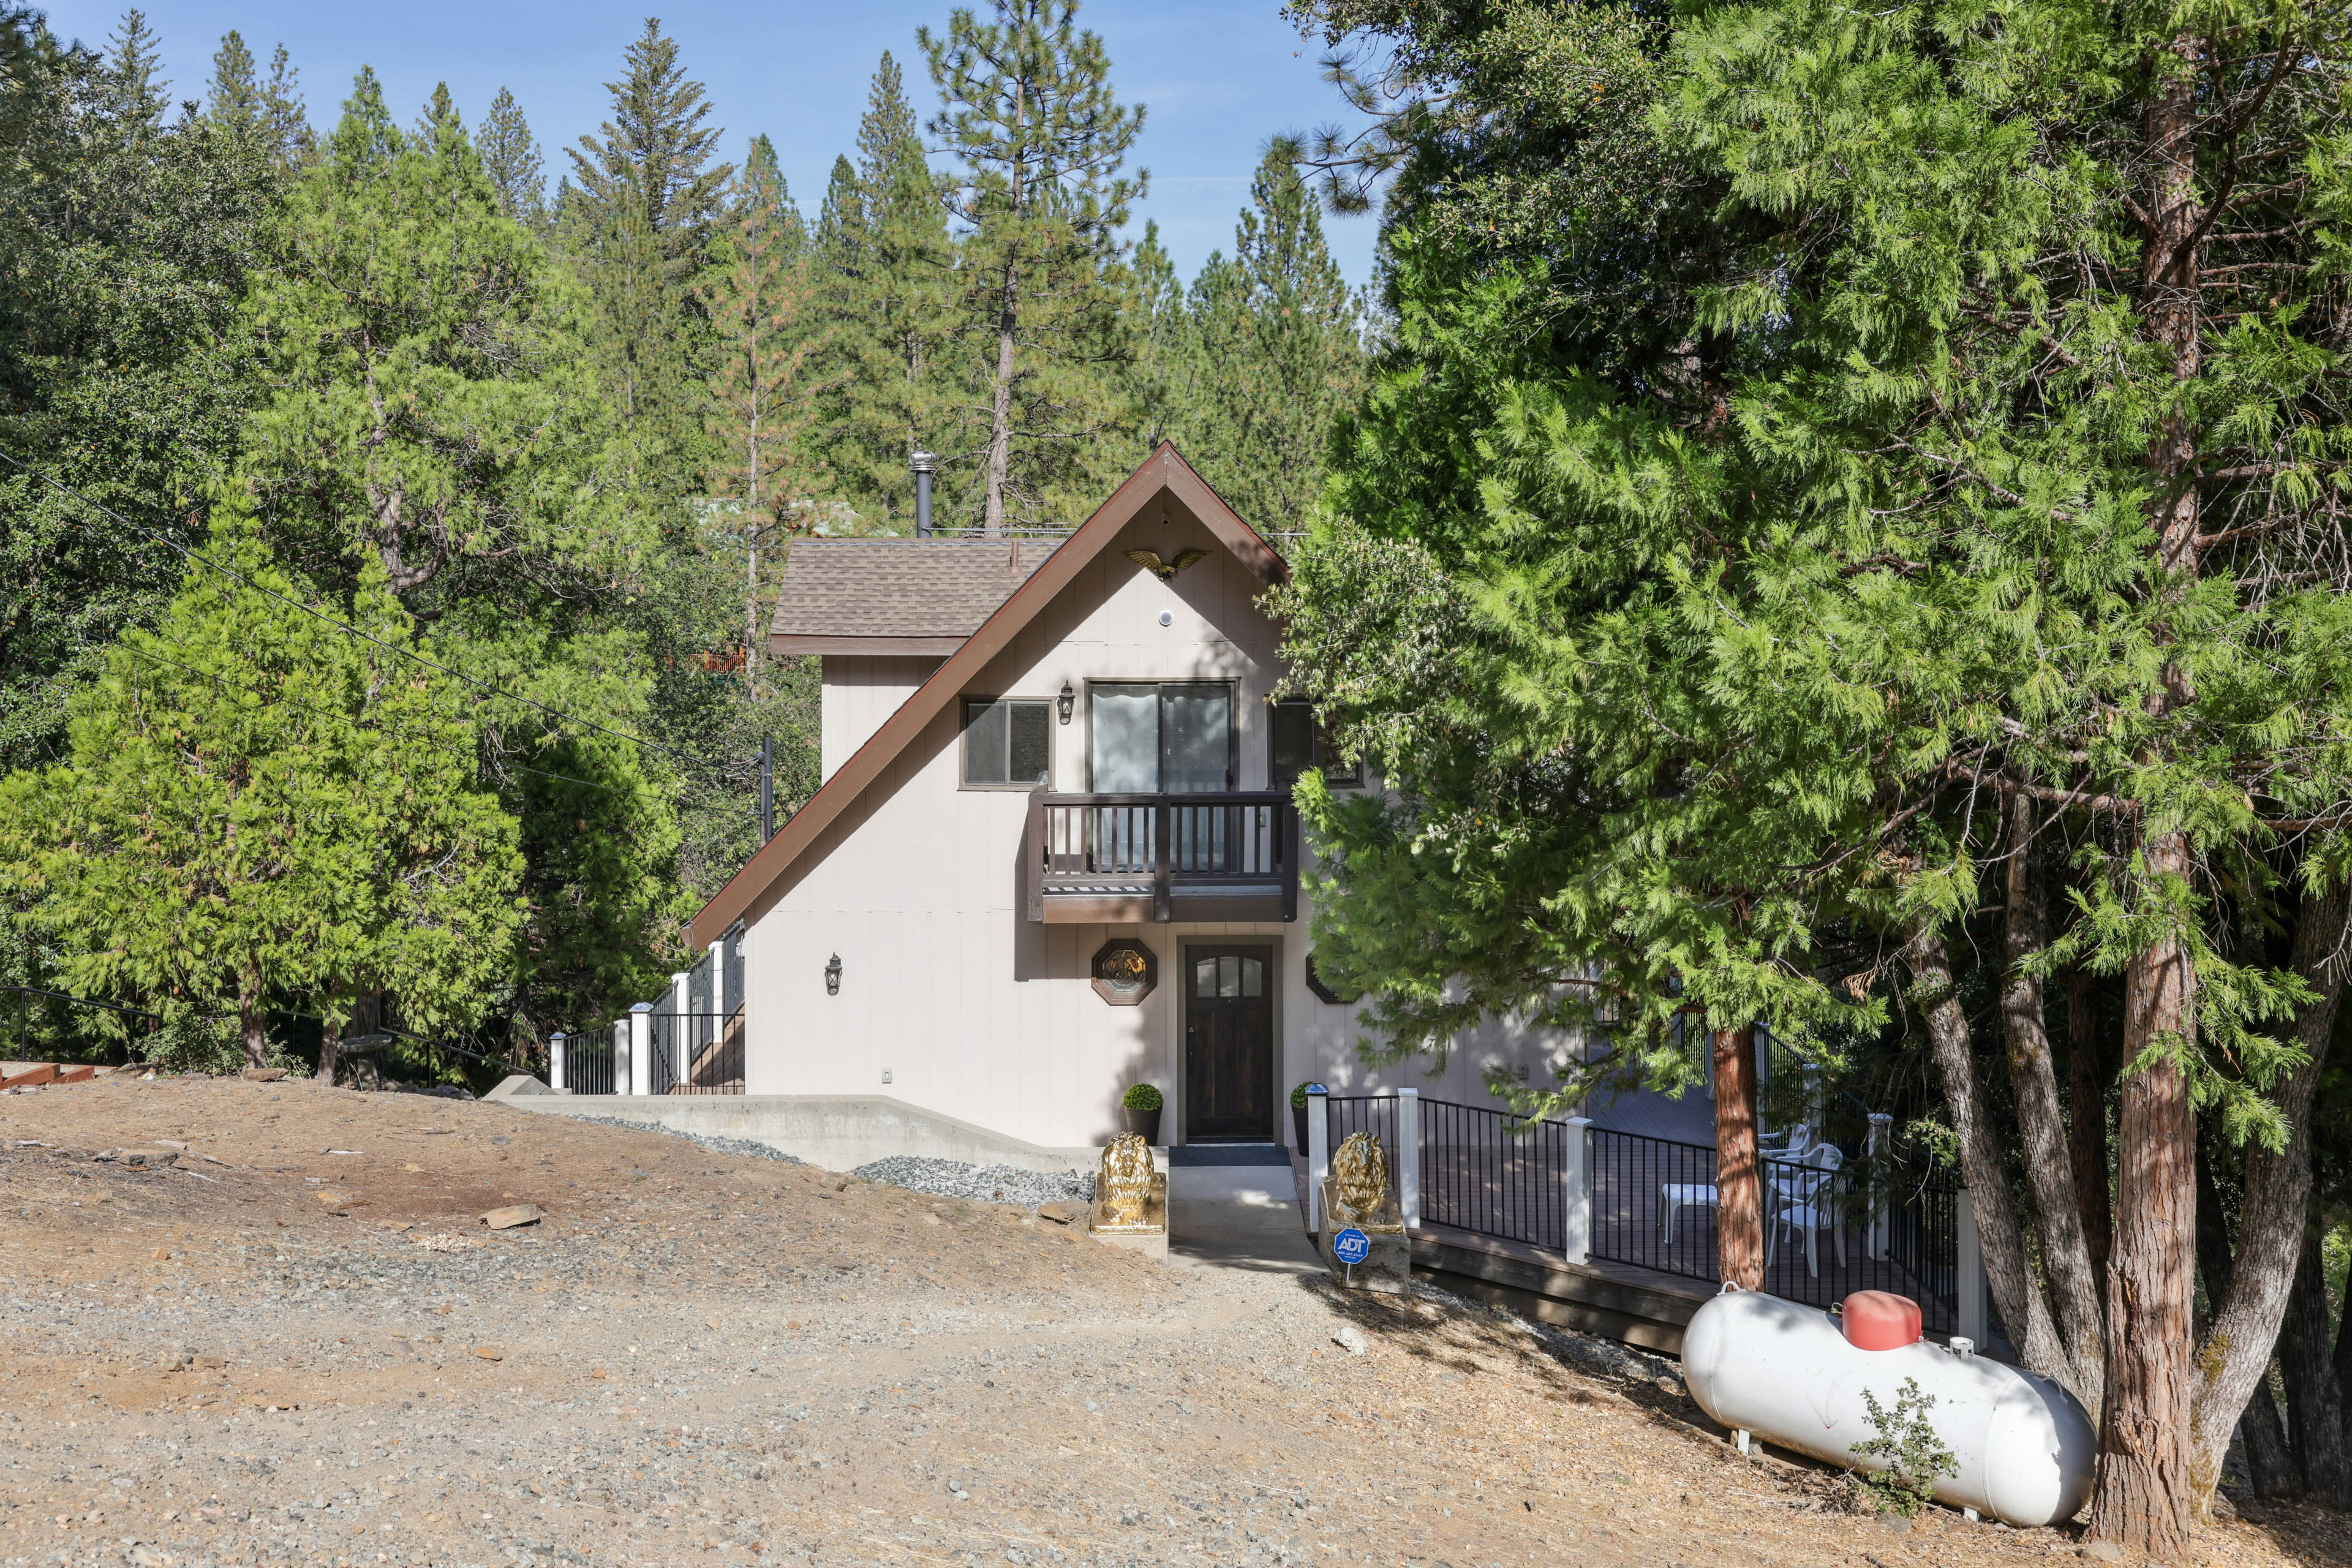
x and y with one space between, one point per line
1161 738
1007 743
1301 743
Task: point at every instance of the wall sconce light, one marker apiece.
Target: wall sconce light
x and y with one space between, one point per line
1068 700
832 975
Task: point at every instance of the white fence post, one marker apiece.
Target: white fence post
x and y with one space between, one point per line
1577 1238
717 984
641 1048
621 1030
1971 1281
1319 1152
1409 1156
1874 1241
555 1061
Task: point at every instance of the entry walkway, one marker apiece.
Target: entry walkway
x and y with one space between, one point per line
1230 1214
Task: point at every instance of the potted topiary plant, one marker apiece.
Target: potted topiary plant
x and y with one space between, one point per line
1299 1115
1141 1105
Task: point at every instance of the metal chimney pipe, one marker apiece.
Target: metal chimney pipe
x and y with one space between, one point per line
922 463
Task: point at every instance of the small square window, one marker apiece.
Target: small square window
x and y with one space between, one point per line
1301 741
1007 743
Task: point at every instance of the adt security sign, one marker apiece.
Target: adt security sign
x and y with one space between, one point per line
1352 1246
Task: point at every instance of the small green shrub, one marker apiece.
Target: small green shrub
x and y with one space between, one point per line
1915 1455
1143 1097
1298 1098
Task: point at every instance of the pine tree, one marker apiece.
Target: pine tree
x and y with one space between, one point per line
884 236
135 97
760 297
637 226
269 114
433 406
1278 358
651 161
1166 346
511 158
1030 113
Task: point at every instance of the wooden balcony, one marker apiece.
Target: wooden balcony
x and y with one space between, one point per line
1116 860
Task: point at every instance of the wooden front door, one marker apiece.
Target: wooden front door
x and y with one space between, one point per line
1229 1042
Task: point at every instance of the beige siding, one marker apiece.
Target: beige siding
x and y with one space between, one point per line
947 986
859 694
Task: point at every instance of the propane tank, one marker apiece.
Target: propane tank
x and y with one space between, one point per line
2023 1446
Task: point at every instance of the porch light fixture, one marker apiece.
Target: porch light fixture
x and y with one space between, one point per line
832 975
1066 701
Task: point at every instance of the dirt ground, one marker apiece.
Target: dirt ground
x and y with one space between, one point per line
702 1359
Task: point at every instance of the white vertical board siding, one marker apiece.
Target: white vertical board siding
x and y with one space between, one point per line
859 694
975 1011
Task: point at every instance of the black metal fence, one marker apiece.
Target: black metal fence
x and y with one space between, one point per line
695 1053
1833 1225
1496 1174
1884 1222
588 1064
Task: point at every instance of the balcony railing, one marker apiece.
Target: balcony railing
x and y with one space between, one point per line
1120 859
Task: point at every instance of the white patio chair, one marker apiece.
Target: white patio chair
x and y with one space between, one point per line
1803 1201
1789 1145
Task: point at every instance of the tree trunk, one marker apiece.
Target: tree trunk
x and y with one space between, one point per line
2042 1127
249 1020
2022 1310
1739 1184
1000 427
2314 1402
2087 1074
2147 1488
2269 1465
2238 1343
330 1052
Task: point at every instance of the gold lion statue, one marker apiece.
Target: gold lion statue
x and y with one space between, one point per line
1360 1182
1124 1184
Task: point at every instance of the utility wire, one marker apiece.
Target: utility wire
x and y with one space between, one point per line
236 575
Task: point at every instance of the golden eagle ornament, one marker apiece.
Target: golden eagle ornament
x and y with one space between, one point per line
1165 570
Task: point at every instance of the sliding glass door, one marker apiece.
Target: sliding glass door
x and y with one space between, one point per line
1160 738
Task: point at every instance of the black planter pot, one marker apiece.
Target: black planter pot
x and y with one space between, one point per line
1299 1125
1146 1122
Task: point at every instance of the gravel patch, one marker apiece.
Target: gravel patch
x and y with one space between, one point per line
743 1146
987 1184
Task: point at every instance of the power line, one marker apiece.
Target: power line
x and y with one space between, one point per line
236 575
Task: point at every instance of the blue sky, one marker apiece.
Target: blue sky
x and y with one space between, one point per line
1219 76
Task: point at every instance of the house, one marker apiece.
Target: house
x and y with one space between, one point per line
1054 853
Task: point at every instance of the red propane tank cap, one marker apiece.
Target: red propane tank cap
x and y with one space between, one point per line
1881 1320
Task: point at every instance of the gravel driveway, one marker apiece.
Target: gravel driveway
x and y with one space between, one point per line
699 1357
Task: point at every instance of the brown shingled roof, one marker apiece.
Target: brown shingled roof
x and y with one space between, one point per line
896 595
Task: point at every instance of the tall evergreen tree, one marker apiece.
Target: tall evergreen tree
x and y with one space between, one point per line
1278 358
760 296
259 809
1028 109
269 112
652 159
124 371
511 160
888 265
637 226
1960 509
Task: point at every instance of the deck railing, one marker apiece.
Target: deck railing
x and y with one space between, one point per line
696 1053
1887 1219
1157 847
